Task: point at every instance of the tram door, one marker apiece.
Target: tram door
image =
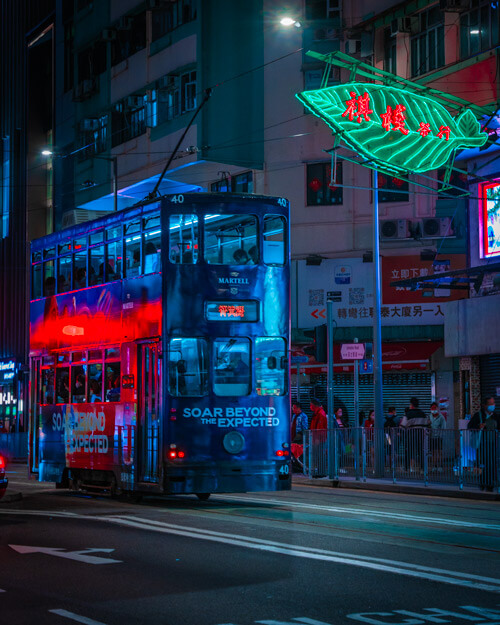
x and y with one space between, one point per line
38 387
149 411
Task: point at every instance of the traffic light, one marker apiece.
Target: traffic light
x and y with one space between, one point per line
320 343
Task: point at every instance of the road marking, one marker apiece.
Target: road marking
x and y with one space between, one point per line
379 564
80 556
76 617
456 578
373 513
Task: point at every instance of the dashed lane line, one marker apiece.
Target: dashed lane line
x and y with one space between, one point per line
76 617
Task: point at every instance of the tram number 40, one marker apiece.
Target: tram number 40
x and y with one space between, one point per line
177 199
284 471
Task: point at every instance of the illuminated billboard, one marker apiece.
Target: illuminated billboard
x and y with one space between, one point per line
490 227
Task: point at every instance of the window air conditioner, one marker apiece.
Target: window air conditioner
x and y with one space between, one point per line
392 229
352 46
437 228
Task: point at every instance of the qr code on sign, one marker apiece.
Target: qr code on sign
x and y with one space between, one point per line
356 297
316 297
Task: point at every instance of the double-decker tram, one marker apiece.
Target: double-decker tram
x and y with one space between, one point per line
159 341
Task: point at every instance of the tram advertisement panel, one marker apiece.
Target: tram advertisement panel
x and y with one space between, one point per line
77 318
84 435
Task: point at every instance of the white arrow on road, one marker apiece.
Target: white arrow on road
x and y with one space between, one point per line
80 556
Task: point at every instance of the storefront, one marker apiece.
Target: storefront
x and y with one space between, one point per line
406 373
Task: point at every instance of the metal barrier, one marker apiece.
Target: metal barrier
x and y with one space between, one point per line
456 457
14 445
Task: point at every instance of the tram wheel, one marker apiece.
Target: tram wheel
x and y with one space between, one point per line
203 496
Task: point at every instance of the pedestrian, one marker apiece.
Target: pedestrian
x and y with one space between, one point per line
370 422
487 423
390 423
415 422
318 421
437 423
339 418
391 420
299 423
369 426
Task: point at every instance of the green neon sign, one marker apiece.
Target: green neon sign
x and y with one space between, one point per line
401 131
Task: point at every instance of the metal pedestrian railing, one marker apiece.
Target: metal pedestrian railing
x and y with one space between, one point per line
456 457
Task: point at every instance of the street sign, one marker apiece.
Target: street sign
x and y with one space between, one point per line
299 360
365 366
352 351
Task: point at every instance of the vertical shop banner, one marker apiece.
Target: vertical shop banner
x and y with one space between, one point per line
349 284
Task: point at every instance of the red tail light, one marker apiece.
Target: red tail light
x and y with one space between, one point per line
173 453
180 454
280 452
2 462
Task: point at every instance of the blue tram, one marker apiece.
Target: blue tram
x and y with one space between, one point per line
159 341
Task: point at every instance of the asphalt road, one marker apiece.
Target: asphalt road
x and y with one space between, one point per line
311 556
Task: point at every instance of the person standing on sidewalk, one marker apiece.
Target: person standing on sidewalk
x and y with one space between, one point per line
318 427
318 421
437 423
415 421
487 423
299 422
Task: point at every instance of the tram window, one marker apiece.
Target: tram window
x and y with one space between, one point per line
114 261
114 233
78 357
95 354
78 395
231 239
152 248
112 353
62 385
274 240
271 363
188 367
94 383
112 383
80 270
152 222
96 265
64 248
80 244
97 237
64 274
49 279
49 252
47 386
183 231
231 368
36 257
133 255
36 284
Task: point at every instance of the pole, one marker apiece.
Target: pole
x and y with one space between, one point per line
330 401
377 337
356 417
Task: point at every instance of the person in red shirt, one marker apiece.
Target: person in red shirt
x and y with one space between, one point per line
319 421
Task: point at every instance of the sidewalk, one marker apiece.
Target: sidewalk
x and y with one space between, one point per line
387 486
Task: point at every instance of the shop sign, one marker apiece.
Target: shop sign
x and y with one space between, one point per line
7 371
400 130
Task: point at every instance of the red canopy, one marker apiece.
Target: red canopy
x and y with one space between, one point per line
395 357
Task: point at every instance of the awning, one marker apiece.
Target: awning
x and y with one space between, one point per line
395 357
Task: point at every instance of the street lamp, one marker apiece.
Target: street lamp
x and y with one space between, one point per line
290 21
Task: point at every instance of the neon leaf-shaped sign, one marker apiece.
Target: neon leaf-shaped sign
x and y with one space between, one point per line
399 130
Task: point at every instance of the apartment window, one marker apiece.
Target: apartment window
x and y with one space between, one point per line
479 28
130 37
128 120
188 91
93 137
92 61
427 48
164 20
390 52
322 9
321 189
241 183
392 189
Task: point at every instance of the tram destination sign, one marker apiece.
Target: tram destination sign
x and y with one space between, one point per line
400 130
247 310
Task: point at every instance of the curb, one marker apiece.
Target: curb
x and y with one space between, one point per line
11 497
398 488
